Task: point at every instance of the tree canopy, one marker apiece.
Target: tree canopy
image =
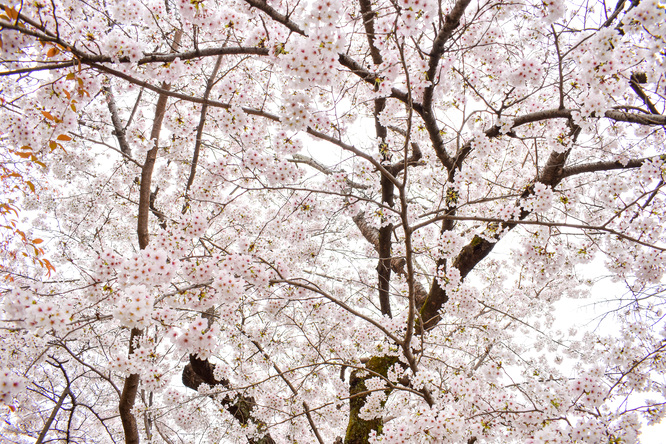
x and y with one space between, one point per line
276 221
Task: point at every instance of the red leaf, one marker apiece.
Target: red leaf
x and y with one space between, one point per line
11 12
49 267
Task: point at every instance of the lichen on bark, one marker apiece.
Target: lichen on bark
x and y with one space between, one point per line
358 430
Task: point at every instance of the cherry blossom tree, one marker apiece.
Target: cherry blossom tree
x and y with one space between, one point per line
276 221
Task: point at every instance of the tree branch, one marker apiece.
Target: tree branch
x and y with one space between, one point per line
635 82
275 15
54 412
293 390
201 371
475 251
200 127
371 234
595 167
451 22
118 127
387 187
131 384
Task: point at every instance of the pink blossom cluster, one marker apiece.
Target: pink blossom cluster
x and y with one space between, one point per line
171 71
424 426
200 271
326 13
297 115
542 199
418 79
154 378
25 306
588 389
49 316
649 266
134 307
134 11
150 267
194 225
276 170
322 27
12 42
482 145
17 302
10 385
651 170
187 9
554 10
492 34
214 20
286 144
529 72
414 14
21 132
283 172
118 45
197 338
595 105
450 244
337 182
234 119
615 187
62 117
648 13
505 124
589 431
373 403
306 64
255 159
508 211
228 287
187 418
107 264
122 364
448 277
464 299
